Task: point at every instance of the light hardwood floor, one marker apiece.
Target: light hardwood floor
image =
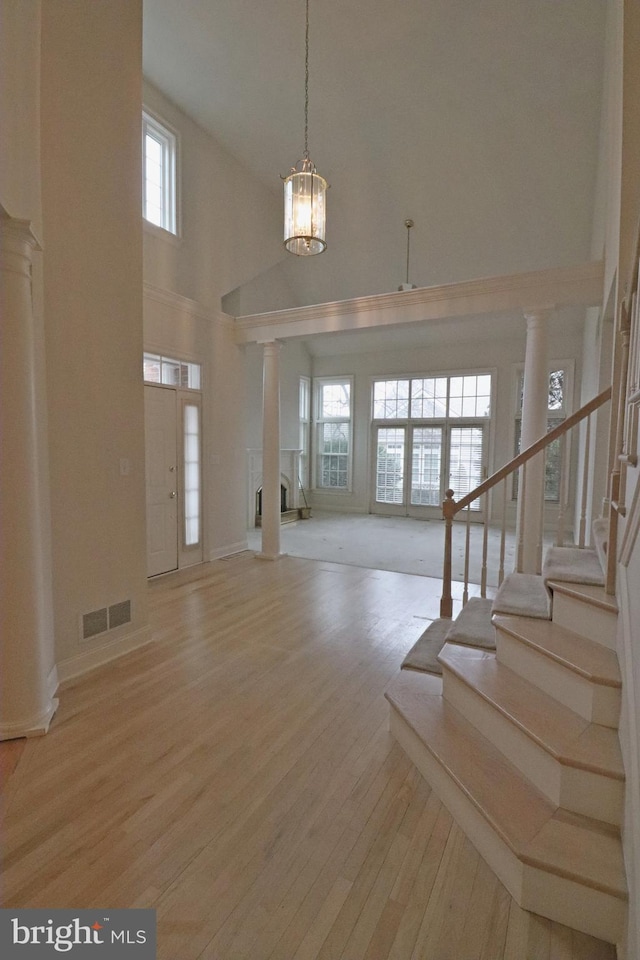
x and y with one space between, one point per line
237 775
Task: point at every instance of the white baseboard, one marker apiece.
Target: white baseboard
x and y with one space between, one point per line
84 662
53 682
228 550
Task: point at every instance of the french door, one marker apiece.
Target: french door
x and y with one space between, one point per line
413 465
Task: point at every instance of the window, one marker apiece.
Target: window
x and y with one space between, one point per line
191 468
556 412
429 433
333 434
305 427
159 147
432 398
170 372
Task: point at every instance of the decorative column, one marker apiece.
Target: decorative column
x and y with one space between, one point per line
28 676
271 451
535 404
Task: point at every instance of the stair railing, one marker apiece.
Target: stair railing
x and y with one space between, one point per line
451 508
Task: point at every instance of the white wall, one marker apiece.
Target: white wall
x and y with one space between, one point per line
230 225
230 228
295 362
91 194
20 110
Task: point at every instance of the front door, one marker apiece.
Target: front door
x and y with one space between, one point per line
161 446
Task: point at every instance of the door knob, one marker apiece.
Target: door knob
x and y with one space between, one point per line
172 495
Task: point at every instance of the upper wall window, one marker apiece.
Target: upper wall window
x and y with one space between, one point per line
170 372
429 398
159 148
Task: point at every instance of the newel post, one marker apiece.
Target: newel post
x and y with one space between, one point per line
448 512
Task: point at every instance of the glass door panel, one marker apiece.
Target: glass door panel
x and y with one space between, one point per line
390 466
466 461
426 462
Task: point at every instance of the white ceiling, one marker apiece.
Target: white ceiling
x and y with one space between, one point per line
479 119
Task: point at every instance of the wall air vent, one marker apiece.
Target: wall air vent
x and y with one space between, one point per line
108 618
94 623
119 613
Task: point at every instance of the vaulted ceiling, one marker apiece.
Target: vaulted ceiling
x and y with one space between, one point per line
478 119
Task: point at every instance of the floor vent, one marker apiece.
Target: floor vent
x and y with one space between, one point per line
237 556
94 623
119 613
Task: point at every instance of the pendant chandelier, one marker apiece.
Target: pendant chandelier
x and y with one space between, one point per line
406 285
305 206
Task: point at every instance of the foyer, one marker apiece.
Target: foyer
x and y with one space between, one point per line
238 775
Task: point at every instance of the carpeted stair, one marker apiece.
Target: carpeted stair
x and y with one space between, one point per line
518 736
472 627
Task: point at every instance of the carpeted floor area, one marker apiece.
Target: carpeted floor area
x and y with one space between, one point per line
400 544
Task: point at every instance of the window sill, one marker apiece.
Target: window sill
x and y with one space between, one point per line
332 491
173 238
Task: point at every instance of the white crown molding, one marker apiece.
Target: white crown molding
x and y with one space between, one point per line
180 304
525 292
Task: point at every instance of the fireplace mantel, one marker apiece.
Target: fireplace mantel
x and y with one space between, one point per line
289 477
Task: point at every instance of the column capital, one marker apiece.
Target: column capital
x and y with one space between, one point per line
13 228
539 315
17 244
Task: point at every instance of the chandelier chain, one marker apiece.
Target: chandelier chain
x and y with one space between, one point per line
306 88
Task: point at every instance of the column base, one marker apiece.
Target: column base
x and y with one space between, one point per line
33 727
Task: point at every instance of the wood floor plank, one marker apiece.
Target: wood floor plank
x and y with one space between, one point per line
237 775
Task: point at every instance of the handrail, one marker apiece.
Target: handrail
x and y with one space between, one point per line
450 508
527 454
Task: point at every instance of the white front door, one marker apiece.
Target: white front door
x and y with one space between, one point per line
161 445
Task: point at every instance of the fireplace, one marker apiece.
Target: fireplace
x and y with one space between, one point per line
284 500
289 486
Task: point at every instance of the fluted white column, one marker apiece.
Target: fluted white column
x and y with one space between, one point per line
271 451
535 403
27 667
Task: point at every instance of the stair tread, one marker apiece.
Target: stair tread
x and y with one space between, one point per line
588 592
572 565
560 731
585 851
591 660
523 595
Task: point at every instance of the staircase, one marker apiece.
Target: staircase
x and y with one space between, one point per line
520 742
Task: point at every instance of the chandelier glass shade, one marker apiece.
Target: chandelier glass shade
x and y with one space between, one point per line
305 191
305 210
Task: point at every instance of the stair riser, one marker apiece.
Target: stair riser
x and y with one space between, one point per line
590 911
490 845
594 702
585 618
579 791
592 795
